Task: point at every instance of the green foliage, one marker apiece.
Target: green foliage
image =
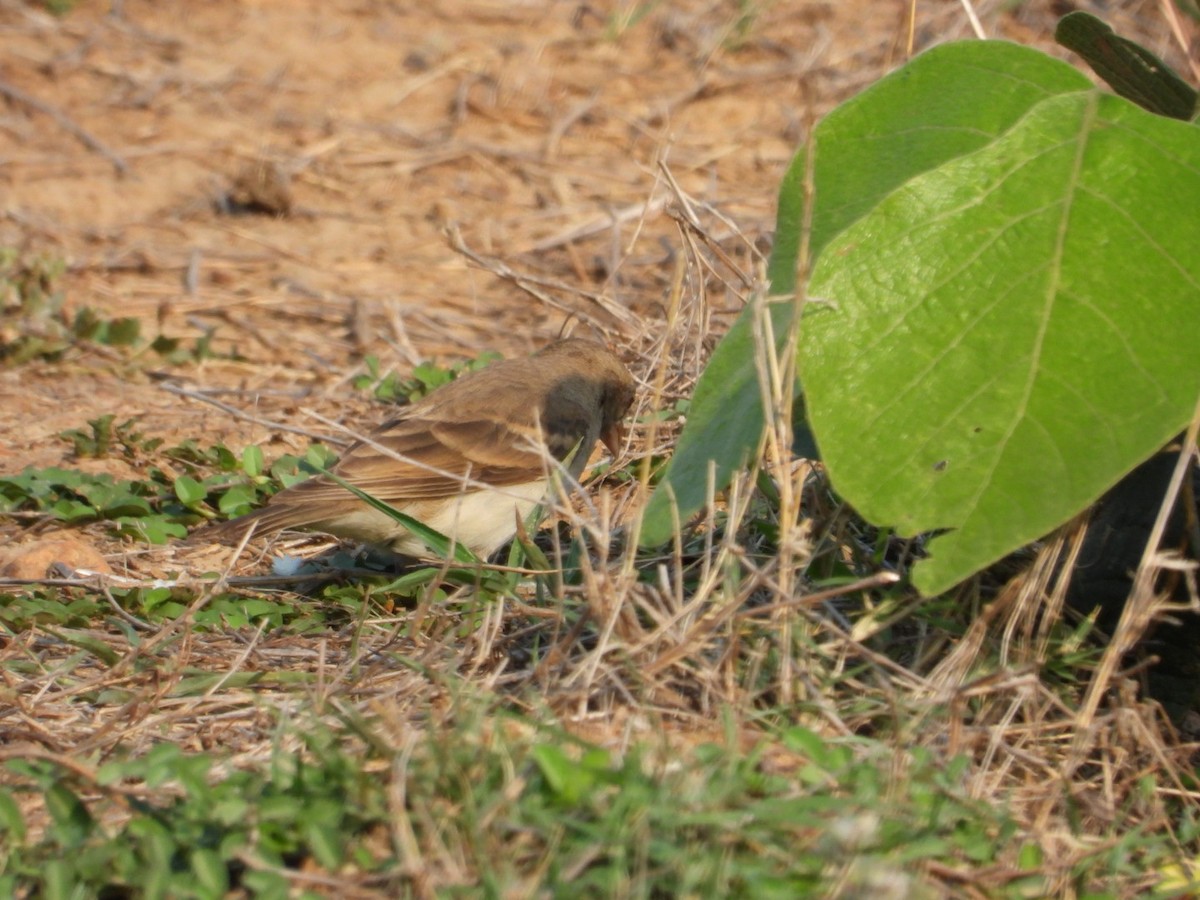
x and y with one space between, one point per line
50 606
73 496
213 482
796 815
391 387
308 806
713 822
177 351
160 506
1034 341
30 282
37 325
517 805
31 304
999 311
103 437
65 609
725 422
88 325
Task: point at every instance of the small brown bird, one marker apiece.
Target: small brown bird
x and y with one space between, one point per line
466 460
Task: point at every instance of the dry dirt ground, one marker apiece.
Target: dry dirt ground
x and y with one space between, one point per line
559 140
441 179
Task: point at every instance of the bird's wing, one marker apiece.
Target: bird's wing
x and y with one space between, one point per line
436 454
415 458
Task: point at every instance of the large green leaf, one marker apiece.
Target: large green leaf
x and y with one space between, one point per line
1005 336
947 102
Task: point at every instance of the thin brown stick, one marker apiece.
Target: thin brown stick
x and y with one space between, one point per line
599 225
879 579
241 414
16 95
531 285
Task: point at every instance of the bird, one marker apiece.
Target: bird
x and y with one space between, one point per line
467 460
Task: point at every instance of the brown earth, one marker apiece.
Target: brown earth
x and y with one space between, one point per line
559 140
437 180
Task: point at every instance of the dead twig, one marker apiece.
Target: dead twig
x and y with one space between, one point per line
241 414
16 95
532 285
599 225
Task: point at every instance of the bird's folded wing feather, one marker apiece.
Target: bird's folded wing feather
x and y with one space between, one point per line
413 458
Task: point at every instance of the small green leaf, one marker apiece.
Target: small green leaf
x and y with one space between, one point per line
122 332
1030 857
189 490
212 875
153 529
327 842
265 885
319 457
1129 68
431 377
11 820
238 500
252 461
114 499
808 742
153 598
86 324
569 779
72 821
164 346
73 511
409 582
59 880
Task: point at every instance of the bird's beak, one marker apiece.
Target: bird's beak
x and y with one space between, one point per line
613 437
